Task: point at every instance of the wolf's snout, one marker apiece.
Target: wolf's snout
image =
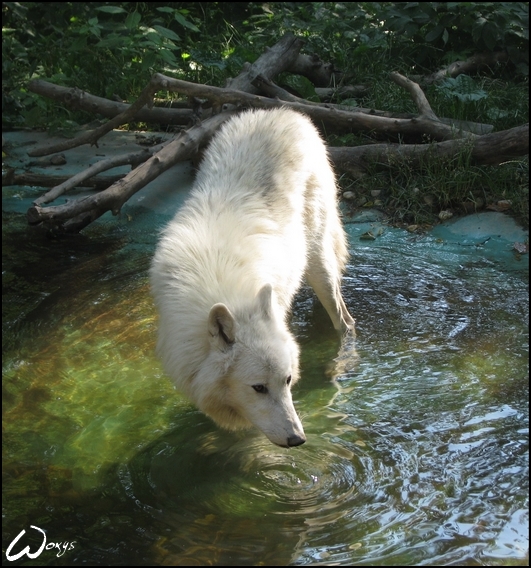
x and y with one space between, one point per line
295 441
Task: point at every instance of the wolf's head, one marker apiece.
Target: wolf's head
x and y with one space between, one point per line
247 376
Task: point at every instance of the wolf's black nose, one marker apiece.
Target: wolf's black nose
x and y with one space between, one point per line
295 441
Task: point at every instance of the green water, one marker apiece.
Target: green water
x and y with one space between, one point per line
416 456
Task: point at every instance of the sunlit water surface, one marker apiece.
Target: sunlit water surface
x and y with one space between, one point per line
416 455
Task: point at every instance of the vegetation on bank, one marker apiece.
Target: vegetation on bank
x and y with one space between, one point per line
111 49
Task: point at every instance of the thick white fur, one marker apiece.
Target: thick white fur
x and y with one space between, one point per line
262 215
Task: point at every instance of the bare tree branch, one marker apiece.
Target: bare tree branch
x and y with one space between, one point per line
327 93
417 94
93 136
271 90
336 119
10 177
321 74
275 60
76 99
471 65
133 159
488 149
86 210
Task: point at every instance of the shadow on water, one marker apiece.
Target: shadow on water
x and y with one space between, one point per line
416 455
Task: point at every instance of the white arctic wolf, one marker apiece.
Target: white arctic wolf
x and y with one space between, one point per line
262 215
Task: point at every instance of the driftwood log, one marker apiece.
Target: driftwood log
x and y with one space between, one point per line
473 64
254 87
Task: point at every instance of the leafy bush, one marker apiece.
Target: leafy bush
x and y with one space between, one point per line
112 48
425 33
109 50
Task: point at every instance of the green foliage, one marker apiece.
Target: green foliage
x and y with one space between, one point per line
413 196
109 50
502 103
343 30
426 34
300 85
462 27
462 98
462 88
112 48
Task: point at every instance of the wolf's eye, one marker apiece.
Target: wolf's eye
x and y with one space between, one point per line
262 389
288 380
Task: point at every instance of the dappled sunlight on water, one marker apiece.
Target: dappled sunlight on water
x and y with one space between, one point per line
417 453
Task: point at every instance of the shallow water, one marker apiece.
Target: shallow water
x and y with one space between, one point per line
418 455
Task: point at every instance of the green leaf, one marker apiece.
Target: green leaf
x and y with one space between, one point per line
302 86
490 36
132 20
112 42
148 60
167 33
168 57
79 43
411 29
152 38
33 117
112 9
462 88
434 33
184 22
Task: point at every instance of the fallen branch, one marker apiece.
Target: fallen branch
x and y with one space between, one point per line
84 211
471 65
10 177
271 90
329 93
77 180
335 119
275 60
76 99
321 74
489 149
94 135
416 93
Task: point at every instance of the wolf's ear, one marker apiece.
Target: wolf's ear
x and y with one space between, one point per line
221 326
264 300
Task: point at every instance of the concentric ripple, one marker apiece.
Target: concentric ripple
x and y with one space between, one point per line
245 473
311 483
